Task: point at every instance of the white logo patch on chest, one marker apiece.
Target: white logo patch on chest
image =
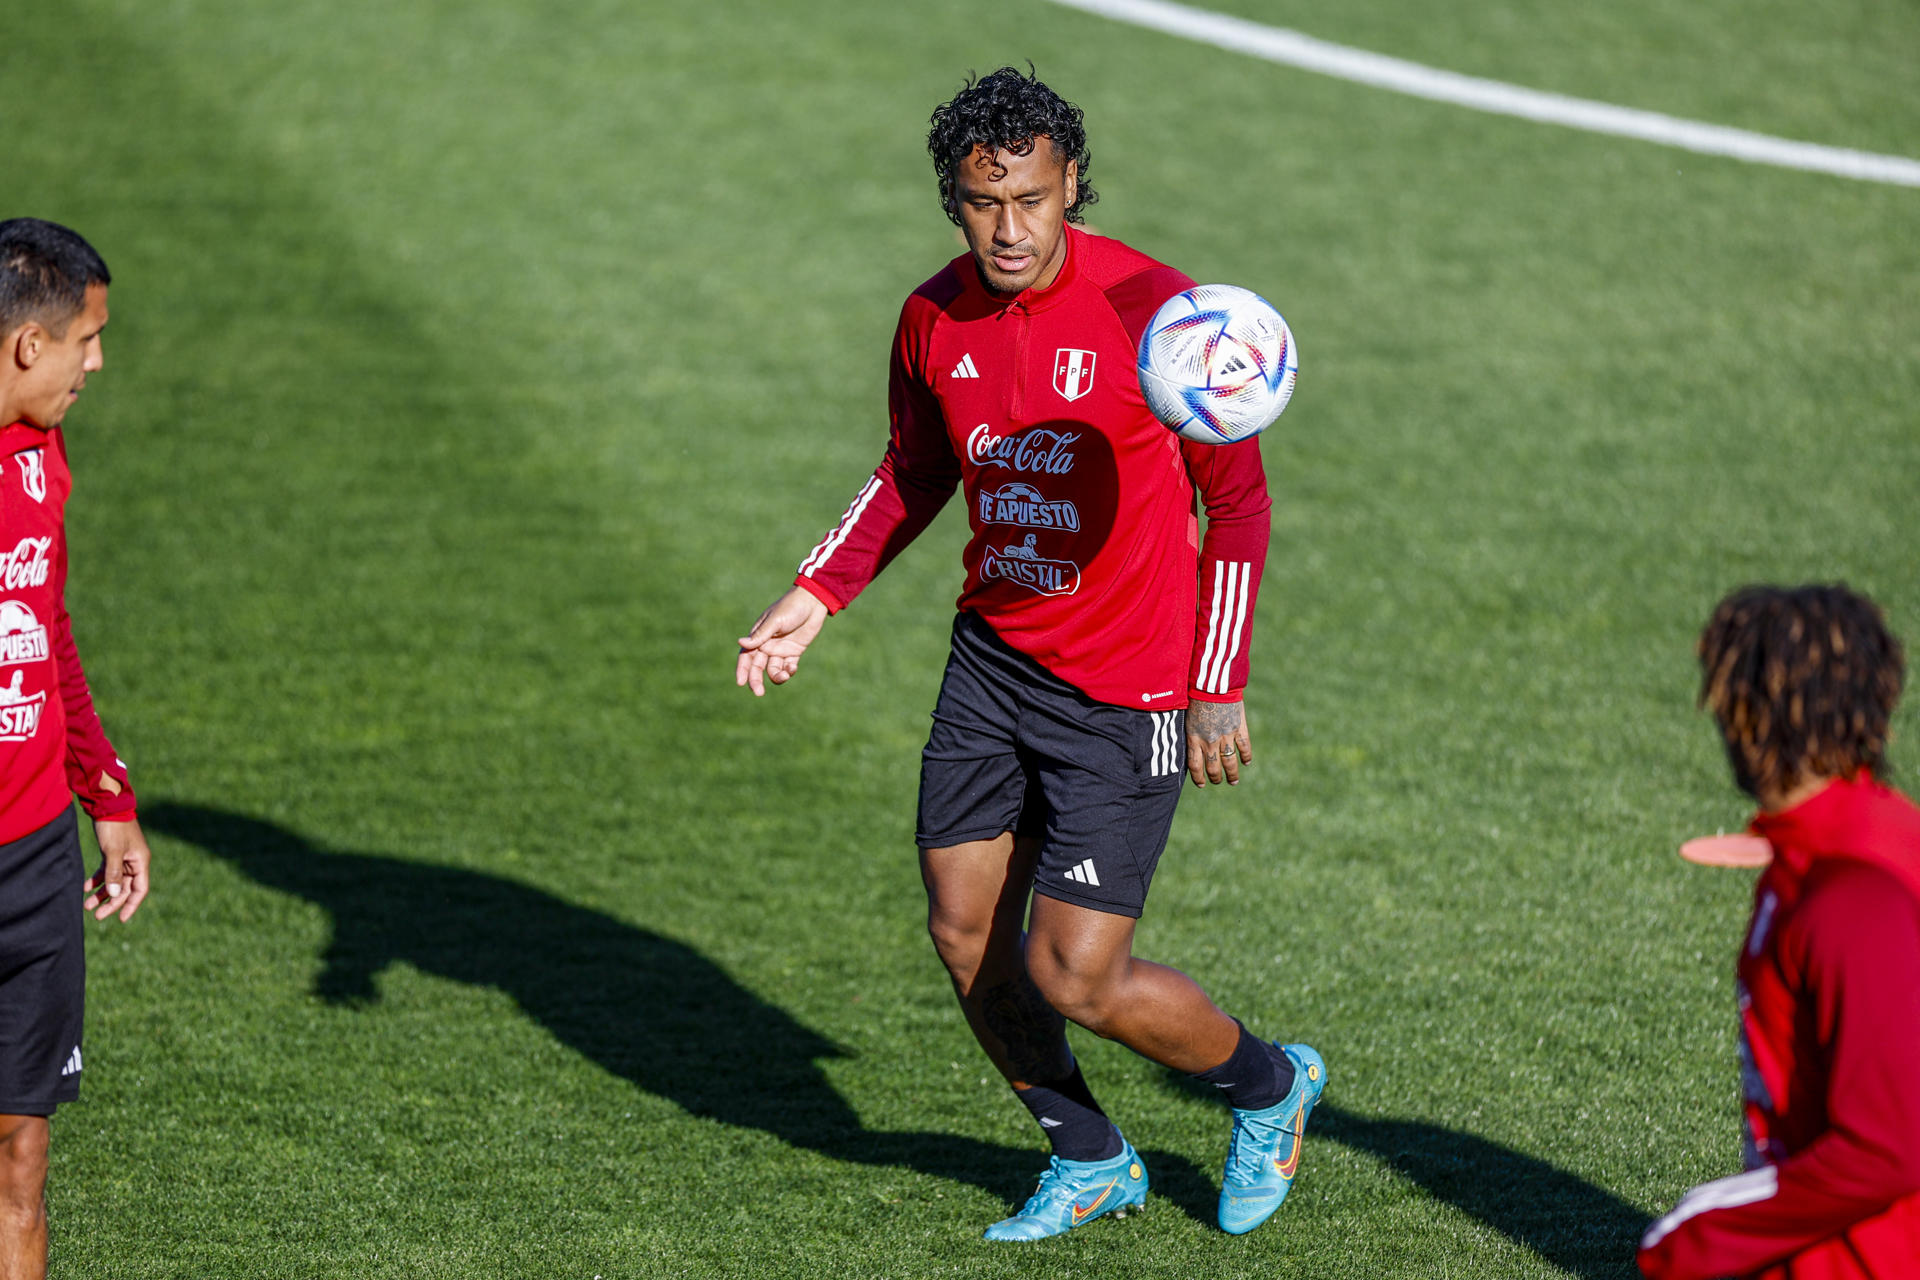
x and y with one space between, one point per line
20 711
22 638
1073 372
33 474
1021 504
1023 565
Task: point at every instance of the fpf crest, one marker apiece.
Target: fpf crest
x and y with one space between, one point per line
1072 372
33 474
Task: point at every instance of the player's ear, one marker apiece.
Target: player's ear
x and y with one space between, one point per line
24 344
1073 182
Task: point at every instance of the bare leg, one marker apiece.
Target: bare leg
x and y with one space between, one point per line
1082 962
976 903
23 1202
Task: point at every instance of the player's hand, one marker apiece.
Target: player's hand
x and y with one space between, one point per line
1217 742
771 651
126 865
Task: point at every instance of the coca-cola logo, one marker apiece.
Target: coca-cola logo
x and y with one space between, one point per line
1038 452
27 565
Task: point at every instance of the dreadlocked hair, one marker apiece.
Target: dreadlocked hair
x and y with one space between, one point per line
1011 112
1802 682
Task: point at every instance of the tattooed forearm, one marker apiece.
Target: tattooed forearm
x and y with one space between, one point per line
1034 1035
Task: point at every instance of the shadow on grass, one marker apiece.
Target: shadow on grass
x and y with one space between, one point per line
649 1009
1582 1229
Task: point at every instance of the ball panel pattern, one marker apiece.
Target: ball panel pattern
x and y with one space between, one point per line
1217 363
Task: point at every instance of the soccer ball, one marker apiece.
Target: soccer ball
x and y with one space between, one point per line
1217 363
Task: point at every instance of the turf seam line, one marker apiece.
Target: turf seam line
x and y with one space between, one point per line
1292 48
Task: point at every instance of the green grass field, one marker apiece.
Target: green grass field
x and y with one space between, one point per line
479 370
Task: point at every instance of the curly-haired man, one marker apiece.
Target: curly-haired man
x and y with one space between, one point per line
1100 652
1802 683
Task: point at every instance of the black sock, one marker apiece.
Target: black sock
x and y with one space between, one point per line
1071 1119
1256 1077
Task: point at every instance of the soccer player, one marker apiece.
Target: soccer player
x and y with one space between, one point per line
1802 683
53 305
1100 651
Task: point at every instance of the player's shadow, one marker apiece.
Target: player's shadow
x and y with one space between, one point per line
1582 1229
645 1007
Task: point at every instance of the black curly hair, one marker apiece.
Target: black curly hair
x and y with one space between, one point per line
1802 682
1007 111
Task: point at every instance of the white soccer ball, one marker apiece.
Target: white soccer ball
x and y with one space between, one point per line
1217 363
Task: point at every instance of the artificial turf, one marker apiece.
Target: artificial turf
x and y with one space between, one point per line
479 370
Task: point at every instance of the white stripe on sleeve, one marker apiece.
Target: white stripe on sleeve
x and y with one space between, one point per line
819 556
1224 645
1724 1193
1239 627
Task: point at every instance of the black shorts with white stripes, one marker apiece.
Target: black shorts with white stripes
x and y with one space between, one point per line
1016 748
43 969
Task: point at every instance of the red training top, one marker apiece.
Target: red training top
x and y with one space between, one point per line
1085 553
51 744
1830 1058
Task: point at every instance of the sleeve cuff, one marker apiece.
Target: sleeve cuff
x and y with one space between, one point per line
834 603
1194 695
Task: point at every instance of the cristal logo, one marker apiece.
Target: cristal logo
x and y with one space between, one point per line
1041 452
1028 568
26 565
1022 504
22 638
19 712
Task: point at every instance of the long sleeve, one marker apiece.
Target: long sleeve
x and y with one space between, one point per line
1232 483
906 491
89 756
1856 943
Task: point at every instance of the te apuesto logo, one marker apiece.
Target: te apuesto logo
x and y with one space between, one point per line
22 638
1019 503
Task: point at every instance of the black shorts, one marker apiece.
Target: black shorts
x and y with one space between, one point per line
1016 748
43 968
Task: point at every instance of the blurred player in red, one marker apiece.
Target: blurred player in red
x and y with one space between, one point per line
53 305
1802 683
1098 657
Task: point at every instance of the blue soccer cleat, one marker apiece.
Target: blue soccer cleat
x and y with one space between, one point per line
1265 1151
1075 1191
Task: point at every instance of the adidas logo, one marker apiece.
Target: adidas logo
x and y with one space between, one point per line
965 368
73 1063
1084 873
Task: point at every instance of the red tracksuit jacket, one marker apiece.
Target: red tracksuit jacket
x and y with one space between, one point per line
1830 1058
51 744
1085 553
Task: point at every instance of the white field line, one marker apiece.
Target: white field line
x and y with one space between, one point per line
1277 44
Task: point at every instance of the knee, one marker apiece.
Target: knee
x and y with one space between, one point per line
1083 996
23 1166
962 941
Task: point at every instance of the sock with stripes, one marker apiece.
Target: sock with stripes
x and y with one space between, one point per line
1256 1077
1071 1119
